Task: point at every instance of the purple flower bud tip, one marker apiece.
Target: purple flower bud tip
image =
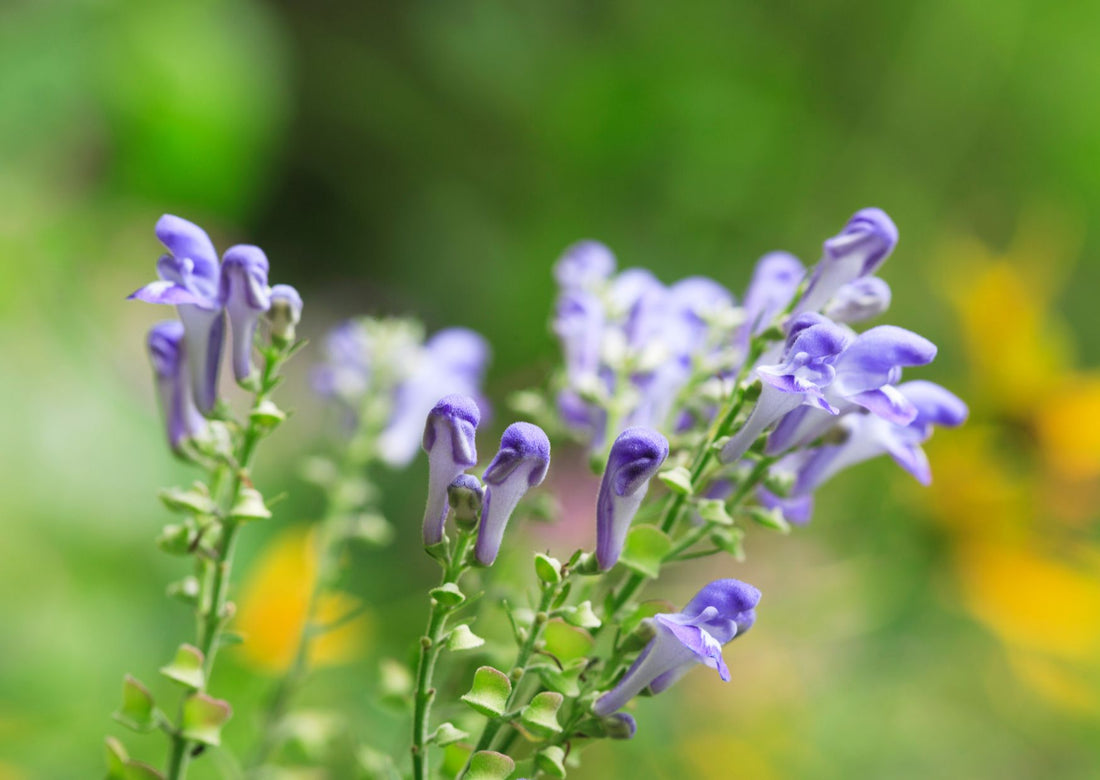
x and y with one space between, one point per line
520 464
449 440
870 232
863 299
289 295
635 457
285 313
720 611
244 292
935 405
584 264
168 356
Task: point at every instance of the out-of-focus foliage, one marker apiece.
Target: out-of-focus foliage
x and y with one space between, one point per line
433 159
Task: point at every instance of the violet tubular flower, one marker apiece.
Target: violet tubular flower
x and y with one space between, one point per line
189 280
774 283
722 610
857 301
246 295
865 375
449 440
520 464
813 346
167 353
857 251
868 436
635 457
584 265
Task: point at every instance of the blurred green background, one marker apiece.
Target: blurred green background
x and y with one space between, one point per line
433 159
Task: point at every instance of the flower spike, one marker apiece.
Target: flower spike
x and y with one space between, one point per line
520 464
449 440
721 611
635 457
166 351
246 296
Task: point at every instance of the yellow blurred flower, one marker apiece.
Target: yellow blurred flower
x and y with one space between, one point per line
274 603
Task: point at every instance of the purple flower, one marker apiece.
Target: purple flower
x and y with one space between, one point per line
584 265
868 436
721 610
189 279
796 510
863 299
449 440
452 361
773 285
246 296
168 356
865 375
813 346
857 251
519 465
635 457
579 323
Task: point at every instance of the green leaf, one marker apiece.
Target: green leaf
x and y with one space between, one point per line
547 569
186 668
447 595
490 691
194 501
115 756
770 518
203 718
540 716
678 480
136 711
646 609
565 680
582 616
565 642
490 765
267 414
249 506
138 770
176 539
713 510
462 638
551 760
729 540
646 547
448 734
185 590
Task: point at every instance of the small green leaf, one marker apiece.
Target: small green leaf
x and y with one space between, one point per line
249 506
203 718
770 518
646 547
540 716
448 734
548 569
115 756
551 760
582 616
490 691
447 595
566 642
136 711
780 482
462 638
185 590
489 765
186 668
678 480
195 501
267 414
564 680
176 539
729 540
713 510
138 770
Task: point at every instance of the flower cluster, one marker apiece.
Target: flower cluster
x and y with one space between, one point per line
187 354
388 363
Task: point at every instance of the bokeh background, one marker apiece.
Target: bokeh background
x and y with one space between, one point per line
433 159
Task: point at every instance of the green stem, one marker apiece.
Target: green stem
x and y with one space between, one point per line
430 647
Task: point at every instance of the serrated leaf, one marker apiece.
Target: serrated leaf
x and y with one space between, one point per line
136 712
490 765
447 595
186 668
490 691
462 638
540 716
203 718
678 480
646 547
